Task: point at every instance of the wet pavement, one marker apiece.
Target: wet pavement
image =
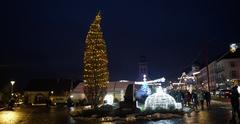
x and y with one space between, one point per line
36 115
218 114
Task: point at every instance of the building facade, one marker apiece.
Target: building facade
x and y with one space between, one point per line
221 72
115 88
48 91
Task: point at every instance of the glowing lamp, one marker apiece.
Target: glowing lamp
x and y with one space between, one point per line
109 99
233 47
12 82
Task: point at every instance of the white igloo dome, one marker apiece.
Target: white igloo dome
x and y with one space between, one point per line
159 100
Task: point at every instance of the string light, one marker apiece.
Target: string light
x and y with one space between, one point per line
95 72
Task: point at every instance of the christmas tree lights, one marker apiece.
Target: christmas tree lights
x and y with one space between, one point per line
95 64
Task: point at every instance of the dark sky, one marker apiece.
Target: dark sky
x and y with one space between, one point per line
45 38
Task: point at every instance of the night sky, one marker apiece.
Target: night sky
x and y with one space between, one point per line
45 38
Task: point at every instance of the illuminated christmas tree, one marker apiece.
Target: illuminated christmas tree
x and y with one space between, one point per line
95 73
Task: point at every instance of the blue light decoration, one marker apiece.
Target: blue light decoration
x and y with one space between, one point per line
159 100
144 91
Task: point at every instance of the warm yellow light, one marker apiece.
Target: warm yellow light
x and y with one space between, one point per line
9 117
95 73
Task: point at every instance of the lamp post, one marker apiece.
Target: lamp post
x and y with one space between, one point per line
12 83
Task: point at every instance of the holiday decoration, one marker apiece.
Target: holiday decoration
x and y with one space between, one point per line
95 64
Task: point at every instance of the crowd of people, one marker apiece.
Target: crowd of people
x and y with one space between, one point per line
194 99
198 98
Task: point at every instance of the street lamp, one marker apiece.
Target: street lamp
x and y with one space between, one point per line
12 82
234 47
228 84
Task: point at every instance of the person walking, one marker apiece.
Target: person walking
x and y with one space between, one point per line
201 98
11 104
183 98
188 98
235 102
195 101
178 96
208 98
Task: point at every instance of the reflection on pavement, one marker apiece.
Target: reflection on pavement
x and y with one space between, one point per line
9 117
44 115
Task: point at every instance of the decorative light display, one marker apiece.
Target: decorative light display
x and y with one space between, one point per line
187 81
95 62
161 100
109 99
158 100
150 82
144 91
145 87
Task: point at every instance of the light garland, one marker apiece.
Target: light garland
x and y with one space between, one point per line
95 72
